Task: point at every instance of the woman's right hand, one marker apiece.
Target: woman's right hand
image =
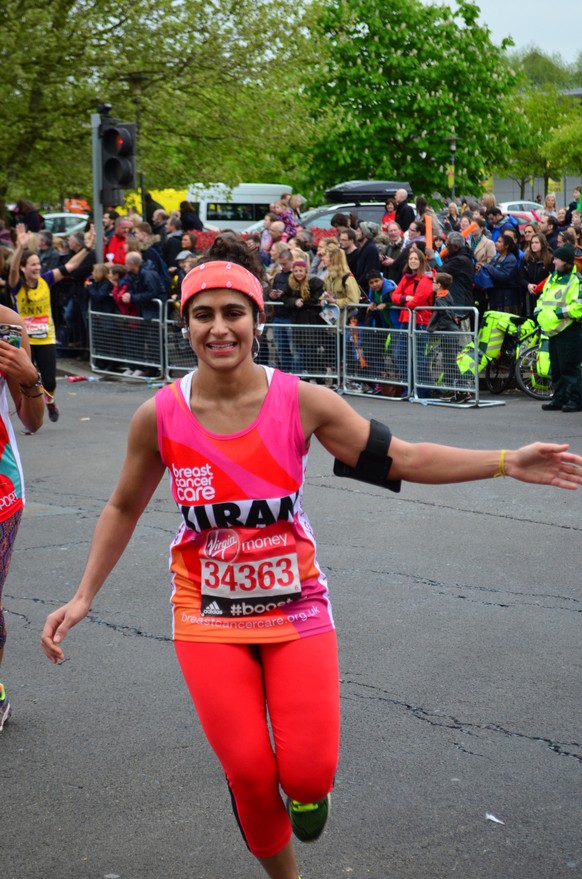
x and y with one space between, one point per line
58 624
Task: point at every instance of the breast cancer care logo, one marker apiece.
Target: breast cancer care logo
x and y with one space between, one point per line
222 544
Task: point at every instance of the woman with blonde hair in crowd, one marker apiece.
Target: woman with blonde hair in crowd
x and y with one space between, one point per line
341 288
295 203
488 201
550 205
452 220
303 302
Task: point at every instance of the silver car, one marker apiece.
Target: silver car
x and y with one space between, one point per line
65 223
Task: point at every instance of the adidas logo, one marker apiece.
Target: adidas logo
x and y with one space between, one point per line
213 609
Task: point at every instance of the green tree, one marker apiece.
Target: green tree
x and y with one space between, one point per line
562 146
399 77
542 70
219 87
545 110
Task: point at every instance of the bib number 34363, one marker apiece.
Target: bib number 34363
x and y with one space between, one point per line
240 588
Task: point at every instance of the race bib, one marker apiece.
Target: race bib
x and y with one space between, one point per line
37 327
242 577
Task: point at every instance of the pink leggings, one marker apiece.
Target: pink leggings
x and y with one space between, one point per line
232 686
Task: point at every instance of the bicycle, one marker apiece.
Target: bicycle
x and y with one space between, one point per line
532 372
527 367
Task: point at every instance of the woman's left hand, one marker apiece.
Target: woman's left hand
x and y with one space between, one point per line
545 464
16 364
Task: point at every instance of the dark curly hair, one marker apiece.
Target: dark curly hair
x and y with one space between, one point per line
228 246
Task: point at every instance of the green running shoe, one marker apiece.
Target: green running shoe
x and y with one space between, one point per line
309 819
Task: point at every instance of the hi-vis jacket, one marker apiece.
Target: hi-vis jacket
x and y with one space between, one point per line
559 303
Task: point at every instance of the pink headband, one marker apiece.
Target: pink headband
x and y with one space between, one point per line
300 262
220 275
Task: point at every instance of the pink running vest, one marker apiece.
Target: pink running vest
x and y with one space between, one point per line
243 560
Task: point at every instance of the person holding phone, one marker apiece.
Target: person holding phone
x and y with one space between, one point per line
21 379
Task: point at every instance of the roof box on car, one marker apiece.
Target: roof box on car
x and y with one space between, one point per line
366 190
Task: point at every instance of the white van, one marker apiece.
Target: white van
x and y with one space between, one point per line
235 207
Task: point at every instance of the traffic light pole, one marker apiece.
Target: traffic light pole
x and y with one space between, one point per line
97 185
140 157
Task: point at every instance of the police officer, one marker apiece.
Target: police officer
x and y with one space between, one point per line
559 314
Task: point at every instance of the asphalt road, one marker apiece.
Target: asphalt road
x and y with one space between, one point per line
459 617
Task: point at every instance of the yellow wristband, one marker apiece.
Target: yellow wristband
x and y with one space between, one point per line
501 465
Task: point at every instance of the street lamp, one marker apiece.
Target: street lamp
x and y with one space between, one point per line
452 141
136 83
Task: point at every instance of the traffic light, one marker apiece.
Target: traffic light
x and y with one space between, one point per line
118 159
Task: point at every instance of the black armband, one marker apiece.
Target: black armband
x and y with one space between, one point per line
374 462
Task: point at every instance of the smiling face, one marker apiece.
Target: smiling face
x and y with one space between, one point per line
394 233
31 270
413 261
299 273
221 326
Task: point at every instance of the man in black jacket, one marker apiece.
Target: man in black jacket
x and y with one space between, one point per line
368 254
144 286
459 263
404 212
347 242
173 243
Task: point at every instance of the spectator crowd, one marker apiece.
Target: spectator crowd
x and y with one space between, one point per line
494 262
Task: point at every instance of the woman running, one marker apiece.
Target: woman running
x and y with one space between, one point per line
252 623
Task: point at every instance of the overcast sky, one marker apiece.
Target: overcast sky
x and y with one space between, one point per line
552 27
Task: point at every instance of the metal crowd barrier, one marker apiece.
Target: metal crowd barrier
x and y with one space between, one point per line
119 341
376 356
359 354
310 351
179 358
442 373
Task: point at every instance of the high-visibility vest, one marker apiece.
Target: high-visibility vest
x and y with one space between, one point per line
559 291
